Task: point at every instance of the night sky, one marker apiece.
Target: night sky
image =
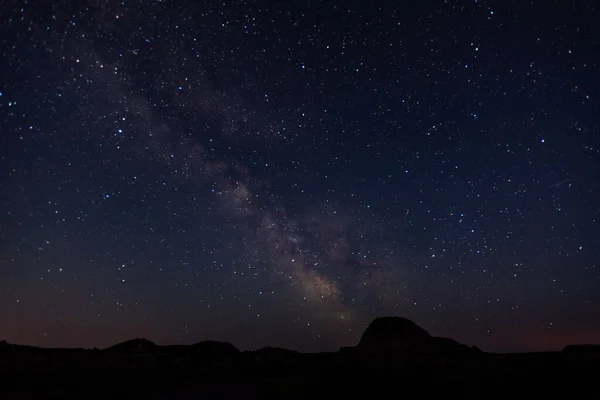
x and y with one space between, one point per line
281 173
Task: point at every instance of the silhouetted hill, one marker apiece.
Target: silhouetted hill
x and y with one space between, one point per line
215 353
583 350
393 333
134 345
393 353
215 348
451 348
395 339
4 345
276 355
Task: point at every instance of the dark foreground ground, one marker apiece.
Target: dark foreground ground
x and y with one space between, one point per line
187 373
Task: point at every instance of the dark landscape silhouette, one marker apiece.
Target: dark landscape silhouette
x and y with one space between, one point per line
394 358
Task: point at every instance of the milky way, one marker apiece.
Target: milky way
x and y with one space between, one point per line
281 174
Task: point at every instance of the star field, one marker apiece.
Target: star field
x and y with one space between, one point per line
281 173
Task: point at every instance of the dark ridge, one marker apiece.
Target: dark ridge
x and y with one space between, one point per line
214 349
392 351
393 332
4 345
451 348
584 350
582 347
275 354
226 346
137 345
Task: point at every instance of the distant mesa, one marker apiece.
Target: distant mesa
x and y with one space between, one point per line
450 348
4 345
215 349
134 346
595 348
396 335
206 350
276 354
583 350
393 332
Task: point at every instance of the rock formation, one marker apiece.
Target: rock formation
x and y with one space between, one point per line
393 333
